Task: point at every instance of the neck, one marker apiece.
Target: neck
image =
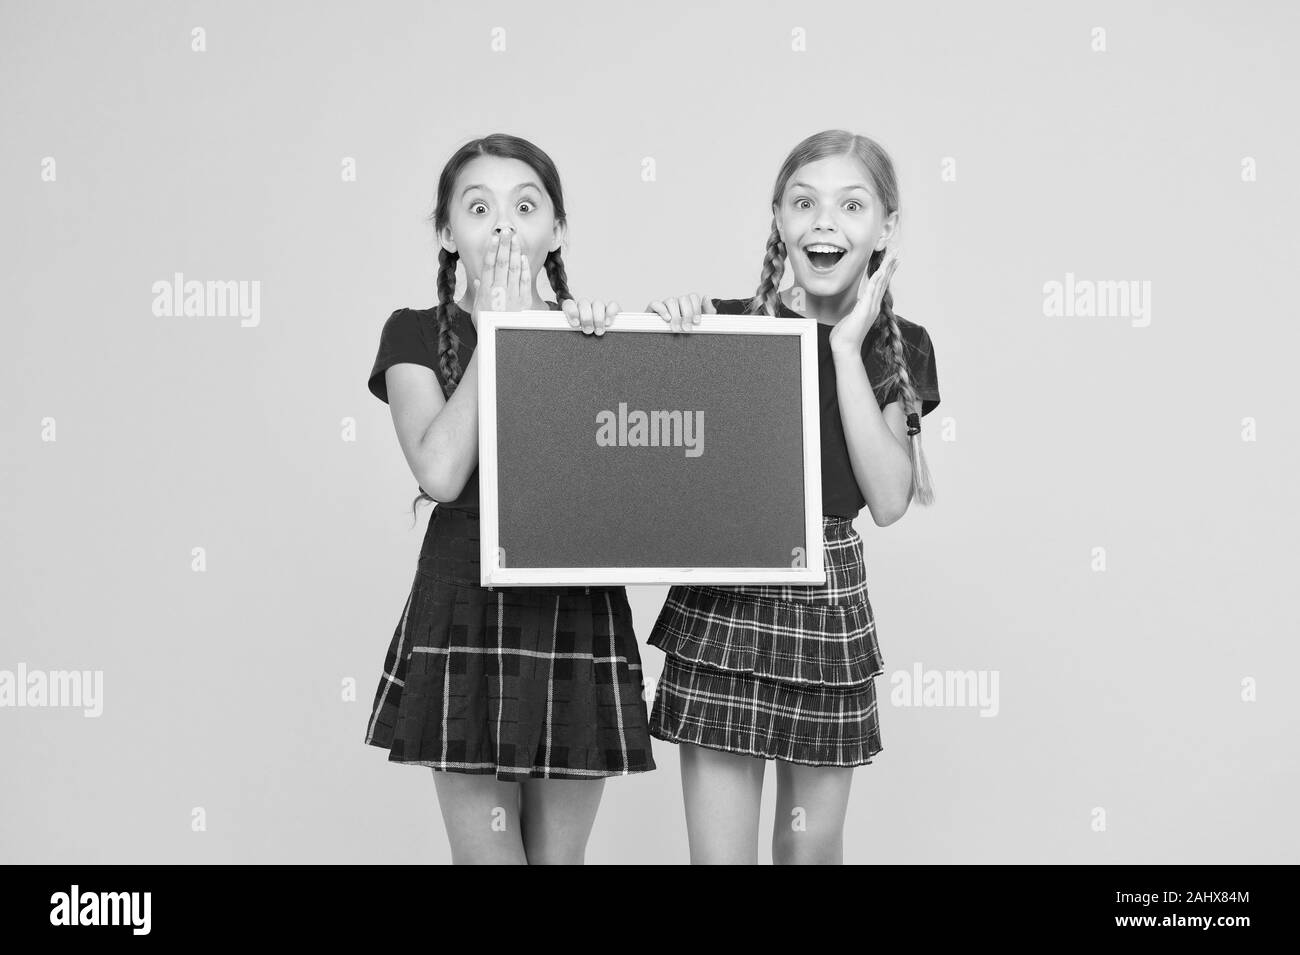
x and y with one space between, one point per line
827 309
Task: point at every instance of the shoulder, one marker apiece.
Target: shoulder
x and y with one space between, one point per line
732 306
417 326
918 353
916 339
403 321
914 332
409 336
413 318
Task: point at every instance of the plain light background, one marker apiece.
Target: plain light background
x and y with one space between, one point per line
1119 690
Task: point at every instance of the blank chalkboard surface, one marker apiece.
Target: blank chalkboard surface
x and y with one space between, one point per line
647 455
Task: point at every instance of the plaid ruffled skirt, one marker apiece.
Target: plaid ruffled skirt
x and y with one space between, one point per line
776 671
520 682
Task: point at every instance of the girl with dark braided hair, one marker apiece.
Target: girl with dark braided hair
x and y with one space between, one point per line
521 699
787 673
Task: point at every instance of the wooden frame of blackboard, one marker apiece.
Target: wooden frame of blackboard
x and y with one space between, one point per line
493 574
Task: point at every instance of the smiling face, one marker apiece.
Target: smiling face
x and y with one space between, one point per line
831 221
494 193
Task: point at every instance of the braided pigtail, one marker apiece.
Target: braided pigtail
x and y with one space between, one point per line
893 348
555 275
767 298
448 340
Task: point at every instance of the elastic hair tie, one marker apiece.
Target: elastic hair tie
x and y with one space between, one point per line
913 423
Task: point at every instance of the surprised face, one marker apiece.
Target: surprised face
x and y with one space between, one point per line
494 194
831 221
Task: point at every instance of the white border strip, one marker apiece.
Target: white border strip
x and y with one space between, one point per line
493 575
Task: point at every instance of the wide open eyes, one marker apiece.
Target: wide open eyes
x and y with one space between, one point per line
478 207
803 203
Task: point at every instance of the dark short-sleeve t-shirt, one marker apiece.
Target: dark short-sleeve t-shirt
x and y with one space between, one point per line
841 495
411 335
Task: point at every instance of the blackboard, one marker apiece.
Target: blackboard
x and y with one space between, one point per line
647 455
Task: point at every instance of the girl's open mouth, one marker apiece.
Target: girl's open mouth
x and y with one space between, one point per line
822 256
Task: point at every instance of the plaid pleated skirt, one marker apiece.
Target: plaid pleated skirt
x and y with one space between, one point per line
520 682
776 671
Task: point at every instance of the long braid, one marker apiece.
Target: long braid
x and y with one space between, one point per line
767 298
893 348
448 340
555 275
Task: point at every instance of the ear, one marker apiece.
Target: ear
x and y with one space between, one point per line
559 235
888 230
446 239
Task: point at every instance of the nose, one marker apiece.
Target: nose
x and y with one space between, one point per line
823 222
504 228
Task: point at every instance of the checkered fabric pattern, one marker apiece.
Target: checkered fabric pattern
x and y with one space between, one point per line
522 682
778 671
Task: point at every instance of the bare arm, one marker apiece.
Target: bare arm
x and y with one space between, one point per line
439 437
876 439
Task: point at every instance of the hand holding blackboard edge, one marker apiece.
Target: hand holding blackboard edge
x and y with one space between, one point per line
683 313
590 317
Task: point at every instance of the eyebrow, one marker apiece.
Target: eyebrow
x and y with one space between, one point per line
518 188
856 185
